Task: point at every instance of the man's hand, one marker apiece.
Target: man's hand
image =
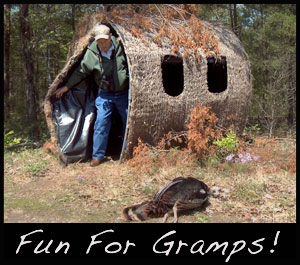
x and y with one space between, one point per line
60 91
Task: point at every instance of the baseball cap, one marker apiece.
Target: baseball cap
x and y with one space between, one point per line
102 32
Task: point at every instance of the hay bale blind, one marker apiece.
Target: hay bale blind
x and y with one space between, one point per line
165 86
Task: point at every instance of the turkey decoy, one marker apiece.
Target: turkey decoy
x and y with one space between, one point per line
179 195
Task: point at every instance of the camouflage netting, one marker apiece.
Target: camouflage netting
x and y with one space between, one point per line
197 46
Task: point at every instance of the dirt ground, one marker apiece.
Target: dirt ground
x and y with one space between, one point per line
39 189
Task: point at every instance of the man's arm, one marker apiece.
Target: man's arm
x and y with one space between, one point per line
84 69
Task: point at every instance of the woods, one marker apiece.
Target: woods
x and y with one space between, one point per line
37 38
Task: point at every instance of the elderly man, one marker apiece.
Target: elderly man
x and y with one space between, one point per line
106 61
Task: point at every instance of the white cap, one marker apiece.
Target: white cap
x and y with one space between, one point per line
102 32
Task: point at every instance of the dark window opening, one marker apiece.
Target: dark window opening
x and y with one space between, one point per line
172 75
217 75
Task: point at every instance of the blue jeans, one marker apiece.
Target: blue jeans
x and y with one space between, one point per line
105 104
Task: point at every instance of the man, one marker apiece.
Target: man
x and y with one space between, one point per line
106 61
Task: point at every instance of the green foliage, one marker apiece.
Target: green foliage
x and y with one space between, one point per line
229 142
227 145
201 218
10 140
214 160
36 169
253 130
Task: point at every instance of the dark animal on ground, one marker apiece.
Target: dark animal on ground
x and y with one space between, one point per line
178 196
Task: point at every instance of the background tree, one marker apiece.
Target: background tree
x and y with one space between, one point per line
233 18
28 68
269 36
7 63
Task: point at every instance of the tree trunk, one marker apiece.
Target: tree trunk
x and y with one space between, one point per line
28 67
7 64
231 16
47 54
262 14
235 23
73 16
108 7
291 95
233 19
264 57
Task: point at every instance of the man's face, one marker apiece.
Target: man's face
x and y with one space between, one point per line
104 44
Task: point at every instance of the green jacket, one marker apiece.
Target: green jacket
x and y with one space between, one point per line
116 69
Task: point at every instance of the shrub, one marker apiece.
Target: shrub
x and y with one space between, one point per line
36 169
253 130
226 145
202 131
8 140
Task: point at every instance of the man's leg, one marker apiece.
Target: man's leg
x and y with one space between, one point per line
102 126
121 102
